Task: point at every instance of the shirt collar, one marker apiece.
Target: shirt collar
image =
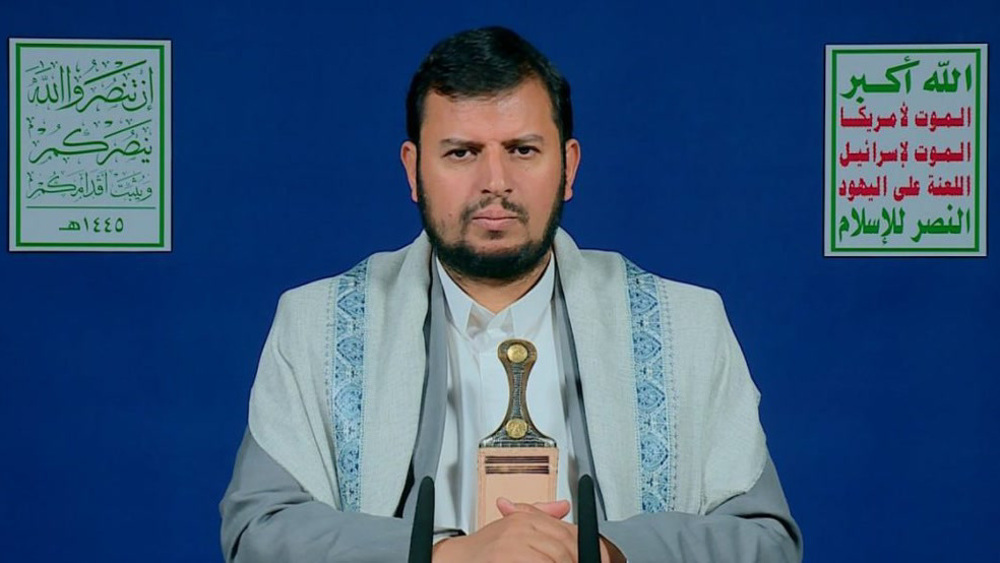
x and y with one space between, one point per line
471 318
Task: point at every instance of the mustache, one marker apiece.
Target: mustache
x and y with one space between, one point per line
486 201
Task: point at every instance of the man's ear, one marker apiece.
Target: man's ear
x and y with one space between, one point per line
408 156
572 155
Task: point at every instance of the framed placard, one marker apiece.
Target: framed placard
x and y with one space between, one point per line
89 145
905 152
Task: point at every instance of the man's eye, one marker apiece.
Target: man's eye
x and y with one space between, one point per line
524 150
459 154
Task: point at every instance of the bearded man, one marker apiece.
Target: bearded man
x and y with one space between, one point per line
388 372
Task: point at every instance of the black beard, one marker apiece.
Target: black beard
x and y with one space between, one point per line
496 266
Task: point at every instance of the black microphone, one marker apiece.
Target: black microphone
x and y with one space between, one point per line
422 536
588 538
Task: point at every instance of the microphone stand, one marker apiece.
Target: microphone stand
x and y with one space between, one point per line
588 538
422 536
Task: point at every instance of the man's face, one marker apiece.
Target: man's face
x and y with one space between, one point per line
490 179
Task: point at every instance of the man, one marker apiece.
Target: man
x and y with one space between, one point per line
388 372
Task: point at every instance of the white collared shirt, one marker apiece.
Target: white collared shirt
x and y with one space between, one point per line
478 391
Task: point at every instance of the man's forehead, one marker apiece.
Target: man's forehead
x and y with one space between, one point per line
525 106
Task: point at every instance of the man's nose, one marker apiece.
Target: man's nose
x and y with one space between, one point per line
497 179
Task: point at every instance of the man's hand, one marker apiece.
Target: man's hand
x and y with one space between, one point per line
527 533
557 509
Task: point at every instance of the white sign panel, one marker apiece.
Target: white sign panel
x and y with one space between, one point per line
905 158
89 145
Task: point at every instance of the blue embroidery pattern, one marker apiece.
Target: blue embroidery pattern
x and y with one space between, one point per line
345 363
652 356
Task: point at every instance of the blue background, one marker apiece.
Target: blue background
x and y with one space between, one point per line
125 377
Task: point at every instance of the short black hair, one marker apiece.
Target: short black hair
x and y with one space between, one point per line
485 62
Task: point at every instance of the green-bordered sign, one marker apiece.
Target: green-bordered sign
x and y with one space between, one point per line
905 153
89 145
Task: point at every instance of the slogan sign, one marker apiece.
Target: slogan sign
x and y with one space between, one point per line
89 145
905 157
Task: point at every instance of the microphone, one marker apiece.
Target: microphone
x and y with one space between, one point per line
588 539
422 536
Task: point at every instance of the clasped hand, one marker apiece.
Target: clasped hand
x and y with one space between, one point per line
527 533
